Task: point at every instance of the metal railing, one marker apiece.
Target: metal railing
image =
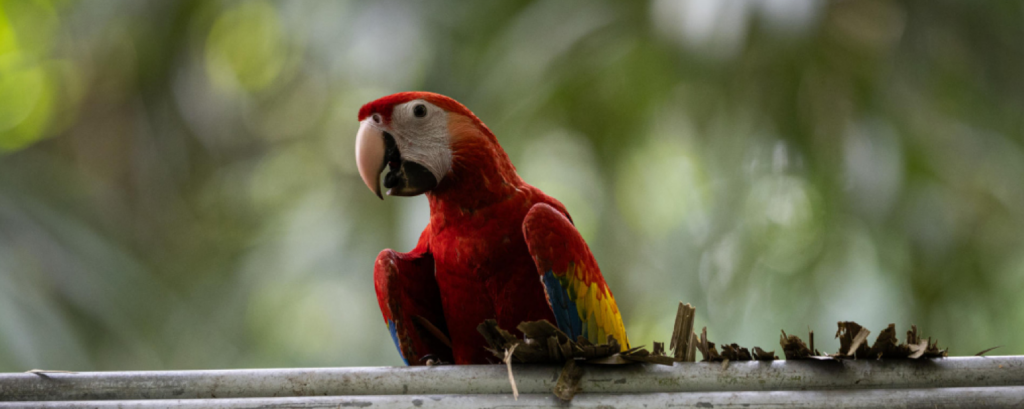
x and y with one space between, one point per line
996 381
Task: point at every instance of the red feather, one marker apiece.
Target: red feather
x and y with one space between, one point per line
384 106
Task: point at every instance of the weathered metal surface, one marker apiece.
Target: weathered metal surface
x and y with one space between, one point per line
492 379
987 397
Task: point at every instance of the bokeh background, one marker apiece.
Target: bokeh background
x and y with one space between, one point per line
178 187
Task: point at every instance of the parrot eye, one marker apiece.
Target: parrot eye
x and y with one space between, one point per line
419 110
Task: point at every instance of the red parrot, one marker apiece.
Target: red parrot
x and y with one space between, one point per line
495 246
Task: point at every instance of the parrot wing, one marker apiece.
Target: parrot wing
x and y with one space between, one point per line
576 291
410 300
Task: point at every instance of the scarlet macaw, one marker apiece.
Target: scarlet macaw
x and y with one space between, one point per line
495 246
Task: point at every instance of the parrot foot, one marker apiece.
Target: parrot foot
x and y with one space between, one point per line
431 360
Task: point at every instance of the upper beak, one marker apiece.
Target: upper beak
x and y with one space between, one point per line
370 155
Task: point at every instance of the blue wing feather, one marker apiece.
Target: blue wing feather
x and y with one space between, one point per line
567 316
394 337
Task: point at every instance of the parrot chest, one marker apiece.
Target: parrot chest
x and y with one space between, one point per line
484 270
483 254
480 249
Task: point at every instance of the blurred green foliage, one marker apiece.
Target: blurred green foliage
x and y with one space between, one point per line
178 189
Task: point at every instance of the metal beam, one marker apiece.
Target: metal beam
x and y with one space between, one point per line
530 379
987 397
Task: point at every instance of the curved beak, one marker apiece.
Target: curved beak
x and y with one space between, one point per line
375 150
370 155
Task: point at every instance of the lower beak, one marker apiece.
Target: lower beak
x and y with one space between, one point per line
370 154
375 150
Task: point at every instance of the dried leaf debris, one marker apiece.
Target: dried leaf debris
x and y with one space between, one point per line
853 345
543 342
508 364
731 352
568 381
794 347
682 334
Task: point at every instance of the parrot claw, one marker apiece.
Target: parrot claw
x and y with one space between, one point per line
431 360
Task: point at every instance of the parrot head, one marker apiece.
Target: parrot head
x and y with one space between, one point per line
410 134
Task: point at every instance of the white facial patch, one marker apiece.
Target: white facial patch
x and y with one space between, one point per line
423 139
